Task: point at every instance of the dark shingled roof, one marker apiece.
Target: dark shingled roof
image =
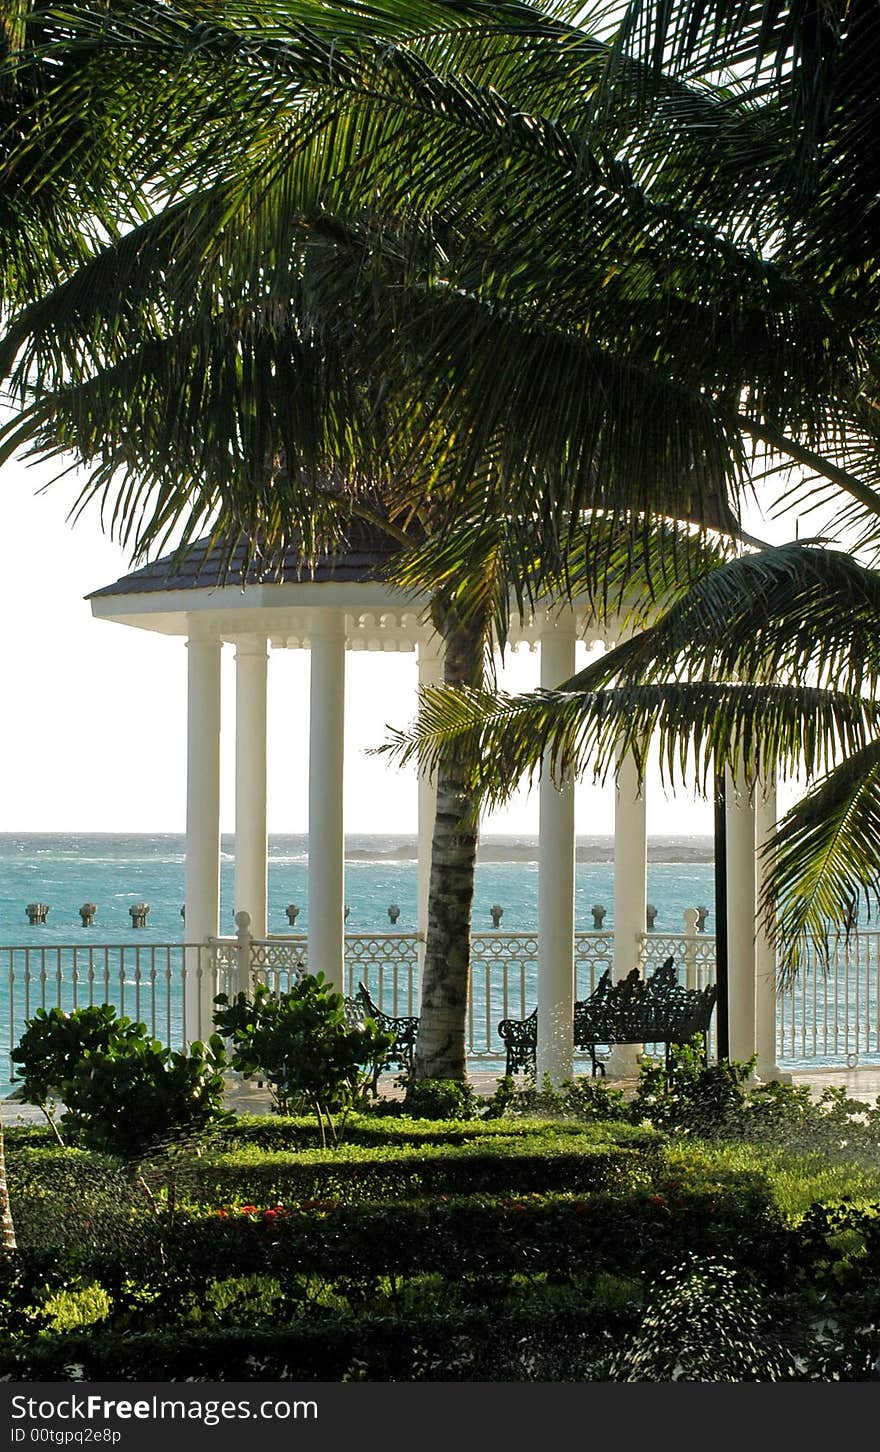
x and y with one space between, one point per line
202 566
369 548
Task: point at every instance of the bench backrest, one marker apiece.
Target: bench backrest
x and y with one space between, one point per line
649 1009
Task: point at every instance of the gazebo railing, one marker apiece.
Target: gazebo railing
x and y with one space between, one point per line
146 982
831 1017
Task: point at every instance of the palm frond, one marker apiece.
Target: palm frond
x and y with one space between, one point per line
823 860
795 612
762 729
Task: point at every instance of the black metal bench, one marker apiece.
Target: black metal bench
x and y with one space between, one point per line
404 1028
635 1010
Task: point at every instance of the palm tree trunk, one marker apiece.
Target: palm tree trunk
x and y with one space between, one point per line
440 1049
7 1229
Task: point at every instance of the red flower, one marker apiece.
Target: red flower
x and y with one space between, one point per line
656 1200
223 1214
248 1209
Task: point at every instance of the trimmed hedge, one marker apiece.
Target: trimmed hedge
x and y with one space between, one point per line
77 1194
571 1237
358 1173
479 1346
497 1267
278 1132
71 1198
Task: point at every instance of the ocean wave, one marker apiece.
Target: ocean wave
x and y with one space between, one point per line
660 849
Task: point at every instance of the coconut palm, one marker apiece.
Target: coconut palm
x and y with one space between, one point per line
65 185
770 664
428 265
771 659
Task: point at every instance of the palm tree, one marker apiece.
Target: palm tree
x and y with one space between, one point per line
65 185
427 266
771 659
770 663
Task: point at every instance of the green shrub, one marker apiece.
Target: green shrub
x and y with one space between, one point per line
441 1099
252 1300
54 1044
584 1100
122 1091
302 1044
691 1098
74 1306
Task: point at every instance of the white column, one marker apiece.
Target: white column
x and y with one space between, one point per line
741 915
430 674
326 831
202 919
630 892
765 948
556 857
251 841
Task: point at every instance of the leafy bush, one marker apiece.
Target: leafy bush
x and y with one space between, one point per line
73 1306
584 1100
123 1092
692 1098
441 1099
131 1103
54 1043
302 1044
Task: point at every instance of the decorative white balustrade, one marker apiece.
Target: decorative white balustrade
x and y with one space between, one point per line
145 981
831 1017
832 1012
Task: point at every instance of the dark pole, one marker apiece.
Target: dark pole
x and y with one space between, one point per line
721 941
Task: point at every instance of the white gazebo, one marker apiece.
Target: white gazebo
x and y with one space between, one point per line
342 604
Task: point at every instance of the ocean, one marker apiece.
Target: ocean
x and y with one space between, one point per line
114 872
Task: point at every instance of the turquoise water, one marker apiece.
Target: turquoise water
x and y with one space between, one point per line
115 872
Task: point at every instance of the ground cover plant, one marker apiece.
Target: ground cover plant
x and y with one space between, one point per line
566 1234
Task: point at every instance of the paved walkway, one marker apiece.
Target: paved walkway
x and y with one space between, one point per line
861 1084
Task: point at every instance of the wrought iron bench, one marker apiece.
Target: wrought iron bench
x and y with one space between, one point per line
520 1037
404 1028
635 1010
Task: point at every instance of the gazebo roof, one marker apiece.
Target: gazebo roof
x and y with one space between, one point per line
209 566
206 588
209 589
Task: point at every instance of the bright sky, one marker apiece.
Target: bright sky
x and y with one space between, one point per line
94 718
